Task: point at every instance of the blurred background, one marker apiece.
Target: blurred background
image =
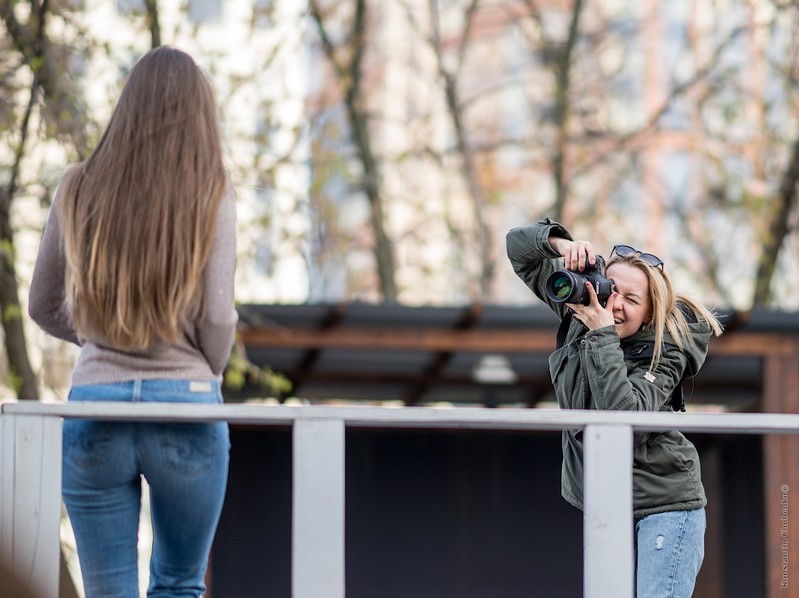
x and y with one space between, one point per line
380 151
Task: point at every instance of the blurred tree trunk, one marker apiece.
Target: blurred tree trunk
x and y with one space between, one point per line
559 53
349 75
778 230
59 106
30 40
23 379
468 165
153 23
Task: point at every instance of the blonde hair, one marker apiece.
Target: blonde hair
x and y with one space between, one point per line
667 312
138 214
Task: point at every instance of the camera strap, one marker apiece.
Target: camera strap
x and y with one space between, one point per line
563 329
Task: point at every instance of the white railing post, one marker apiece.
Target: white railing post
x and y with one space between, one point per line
30 499
608 532
317 563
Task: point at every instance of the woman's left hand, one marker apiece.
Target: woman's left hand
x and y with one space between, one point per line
594 315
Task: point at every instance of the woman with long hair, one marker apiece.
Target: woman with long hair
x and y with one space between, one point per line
136 266
628 351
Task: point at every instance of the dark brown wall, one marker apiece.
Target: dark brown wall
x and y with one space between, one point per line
463 514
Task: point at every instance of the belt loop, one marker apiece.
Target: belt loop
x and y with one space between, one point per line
137 384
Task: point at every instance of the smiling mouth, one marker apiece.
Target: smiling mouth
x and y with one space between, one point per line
618 321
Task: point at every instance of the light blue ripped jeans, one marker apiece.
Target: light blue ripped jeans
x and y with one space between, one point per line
186 466
669 549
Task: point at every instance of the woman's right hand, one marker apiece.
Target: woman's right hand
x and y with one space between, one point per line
576 254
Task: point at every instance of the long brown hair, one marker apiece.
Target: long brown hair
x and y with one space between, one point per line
138 214
667 306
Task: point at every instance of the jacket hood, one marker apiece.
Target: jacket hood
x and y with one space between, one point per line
694 345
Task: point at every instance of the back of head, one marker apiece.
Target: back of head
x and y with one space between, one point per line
137 216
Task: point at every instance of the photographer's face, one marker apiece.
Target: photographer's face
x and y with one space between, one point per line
632 304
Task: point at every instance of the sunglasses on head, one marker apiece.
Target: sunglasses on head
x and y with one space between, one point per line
649 258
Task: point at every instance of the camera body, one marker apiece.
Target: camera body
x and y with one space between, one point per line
566 286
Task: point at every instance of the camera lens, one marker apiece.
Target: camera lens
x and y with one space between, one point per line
561 286
565 286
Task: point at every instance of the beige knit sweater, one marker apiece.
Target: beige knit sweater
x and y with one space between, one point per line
202 352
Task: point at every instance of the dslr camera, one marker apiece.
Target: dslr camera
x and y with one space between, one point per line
566 286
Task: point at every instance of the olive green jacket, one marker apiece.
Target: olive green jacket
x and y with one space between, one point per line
589 371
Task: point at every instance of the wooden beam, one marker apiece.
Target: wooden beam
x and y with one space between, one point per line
525 379
478 340
740 344
432 372
402 339
329 322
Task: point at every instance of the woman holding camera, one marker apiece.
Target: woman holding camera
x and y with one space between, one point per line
628 349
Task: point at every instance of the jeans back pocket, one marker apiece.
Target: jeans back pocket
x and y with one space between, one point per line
189 449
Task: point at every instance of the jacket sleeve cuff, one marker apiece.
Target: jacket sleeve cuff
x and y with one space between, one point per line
602 337
532 241
554 229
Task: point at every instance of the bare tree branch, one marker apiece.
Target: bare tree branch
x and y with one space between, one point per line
623 141
350 77
778 230
152 22
60 95
468 168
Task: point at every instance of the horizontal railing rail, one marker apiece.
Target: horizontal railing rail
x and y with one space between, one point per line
429 417
30 475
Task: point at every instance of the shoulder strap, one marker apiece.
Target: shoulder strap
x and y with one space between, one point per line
563 329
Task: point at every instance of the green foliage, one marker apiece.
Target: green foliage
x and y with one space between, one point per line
11 312
36 63
241 371
15 381
7 251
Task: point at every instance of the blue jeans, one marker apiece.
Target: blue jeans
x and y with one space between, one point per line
186 466
669 551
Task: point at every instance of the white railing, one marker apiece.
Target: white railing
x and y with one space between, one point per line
30 476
